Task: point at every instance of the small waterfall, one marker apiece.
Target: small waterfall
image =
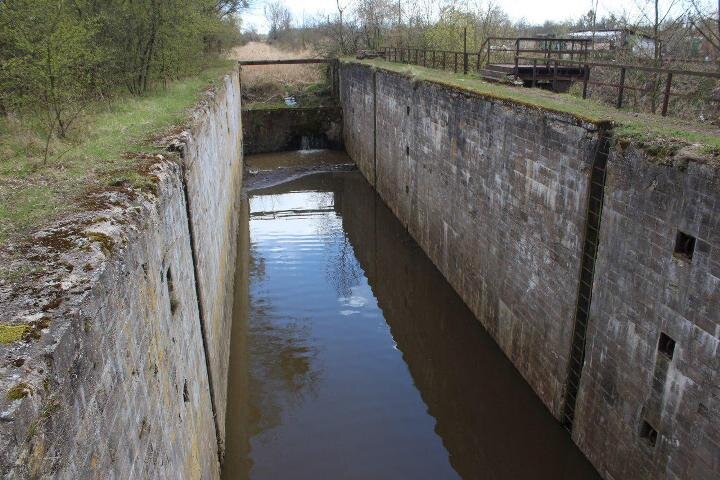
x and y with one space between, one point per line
313 142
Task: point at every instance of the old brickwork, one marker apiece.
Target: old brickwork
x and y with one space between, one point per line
495 194
212 159
357 100
122 390
642 291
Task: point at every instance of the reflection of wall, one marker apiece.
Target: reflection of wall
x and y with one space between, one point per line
489 419
237 419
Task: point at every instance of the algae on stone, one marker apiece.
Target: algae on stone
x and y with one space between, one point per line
12 333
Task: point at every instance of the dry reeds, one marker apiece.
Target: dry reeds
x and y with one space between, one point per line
280 75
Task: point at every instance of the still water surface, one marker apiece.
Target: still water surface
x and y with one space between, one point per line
354 359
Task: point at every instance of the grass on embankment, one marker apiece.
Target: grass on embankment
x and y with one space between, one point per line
642 127
95 154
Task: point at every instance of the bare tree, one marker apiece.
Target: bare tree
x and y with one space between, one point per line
706 22
279 18
341 6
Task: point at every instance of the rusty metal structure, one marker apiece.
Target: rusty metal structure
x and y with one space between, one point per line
550 63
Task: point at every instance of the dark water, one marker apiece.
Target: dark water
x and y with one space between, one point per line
358 361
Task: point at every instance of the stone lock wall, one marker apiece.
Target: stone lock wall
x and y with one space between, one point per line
495 194
632 381
498 196
212 159
125 373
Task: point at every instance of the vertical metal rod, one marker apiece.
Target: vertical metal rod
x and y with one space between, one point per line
534 80
666 98
517 57
465 54
455 67
554 77
586 79
621 88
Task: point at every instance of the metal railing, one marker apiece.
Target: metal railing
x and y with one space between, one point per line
621 86
553 56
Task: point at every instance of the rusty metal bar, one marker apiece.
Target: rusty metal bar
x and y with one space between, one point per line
666 97
465 53
621 88
534 77
690 73
290 61
554 77
586 79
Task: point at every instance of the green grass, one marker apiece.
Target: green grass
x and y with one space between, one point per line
643 127
33 191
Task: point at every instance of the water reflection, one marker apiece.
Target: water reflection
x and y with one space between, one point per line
364 363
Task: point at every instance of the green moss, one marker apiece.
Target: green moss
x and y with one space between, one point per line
13 274
21 390
12 333
105 241
643 127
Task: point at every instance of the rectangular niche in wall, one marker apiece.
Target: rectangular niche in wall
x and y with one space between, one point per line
648 433
666 345
684 246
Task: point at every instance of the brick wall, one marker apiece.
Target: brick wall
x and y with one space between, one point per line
642 291
495 194
212 159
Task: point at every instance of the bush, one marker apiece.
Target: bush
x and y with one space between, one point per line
56 56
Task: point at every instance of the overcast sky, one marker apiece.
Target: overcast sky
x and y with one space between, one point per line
534 11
